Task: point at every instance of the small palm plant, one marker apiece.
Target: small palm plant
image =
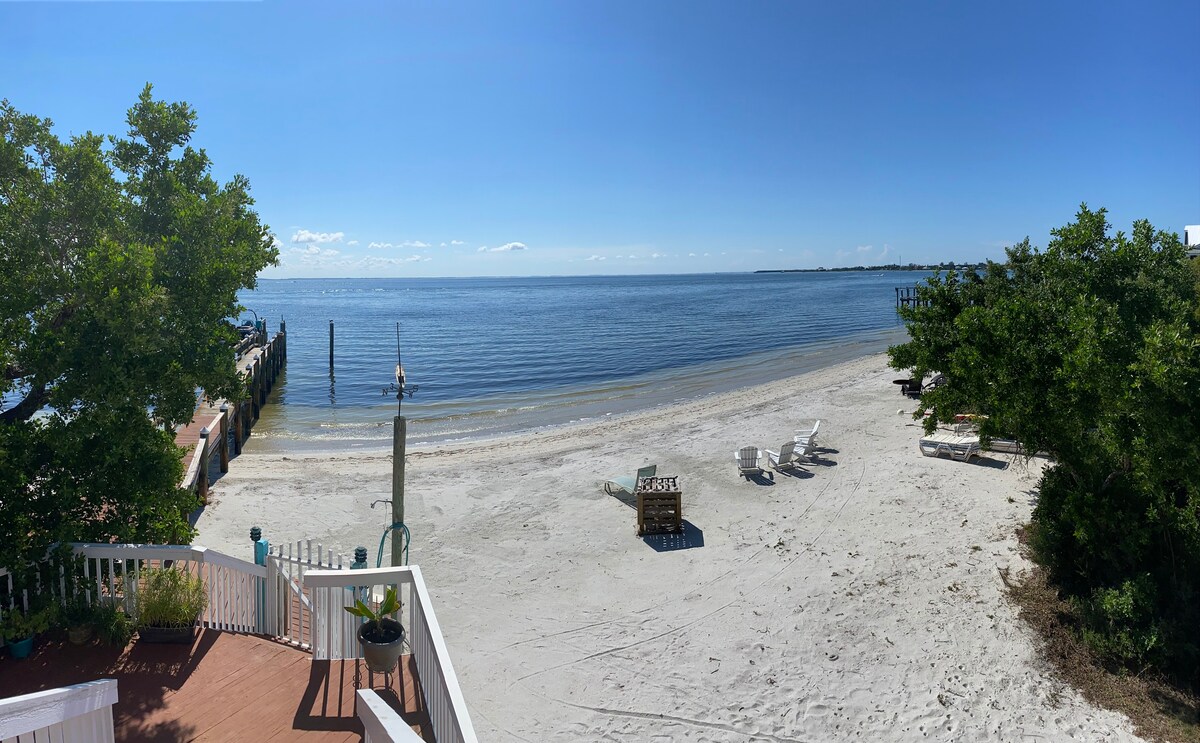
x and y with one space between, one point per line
374 630
381 636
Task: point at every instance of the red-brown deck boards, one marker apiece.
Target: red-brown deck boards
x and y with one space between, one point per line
225 686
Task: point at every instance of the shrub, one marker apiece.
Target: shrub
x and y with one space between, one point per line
113 626
169 597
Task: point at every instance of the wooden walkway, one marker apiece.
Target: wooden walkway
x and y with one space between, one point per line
259 362
223 687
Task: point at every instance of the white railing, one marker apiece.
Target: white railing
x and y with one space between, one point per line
333 589
73 714
236 588
381 723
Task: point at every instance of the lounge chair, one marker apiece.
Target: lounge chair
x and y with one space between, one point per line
748 458
951 444
914 388
806 439
629 484
789 455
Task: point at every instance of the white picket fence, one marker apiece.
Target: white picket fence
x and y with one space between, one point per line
72 714
332 589
290 614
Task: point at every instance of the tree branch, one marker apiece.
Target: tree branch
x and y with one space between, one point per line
25 409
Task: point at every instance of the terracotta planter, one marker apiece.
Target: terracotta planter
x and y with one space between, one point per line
79 634
381 657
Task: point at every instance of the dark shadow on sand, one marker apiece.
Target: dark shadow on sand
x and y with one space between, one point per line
688 538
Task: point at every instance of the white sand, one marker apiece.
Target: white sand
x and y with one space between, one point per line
860 602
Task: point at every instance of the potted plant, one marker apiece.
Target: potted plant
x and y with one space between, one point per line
380 635
169 603
112 624
78 616
19 628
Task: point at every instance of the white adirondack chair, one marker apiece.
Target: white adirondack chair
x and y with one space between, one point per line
748 458
807 439
789 455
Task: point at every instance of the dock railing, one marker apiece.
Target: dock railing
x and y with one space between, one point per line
335 634
81 713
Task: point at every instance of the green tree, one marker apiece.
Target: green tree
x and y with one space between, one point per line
1089 351
120 262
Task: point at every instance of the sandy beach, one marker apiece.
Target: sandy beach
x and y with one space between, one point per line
859 600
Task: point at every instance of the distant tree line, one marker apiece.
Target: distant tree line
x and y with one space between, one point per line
944 266
1089 351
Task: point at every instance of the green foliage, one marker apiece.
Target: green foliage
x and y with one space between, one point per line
373 628
169 597
20 625
120 260
113 626
1089 351
389 605
77 612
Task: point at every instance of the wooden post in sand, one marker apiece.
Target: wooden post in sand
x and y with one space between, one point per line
237 428
224 437
331 345
399 433
202 473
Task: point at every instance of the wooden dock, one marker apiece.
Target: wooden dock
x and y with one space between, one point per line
906 296
259 362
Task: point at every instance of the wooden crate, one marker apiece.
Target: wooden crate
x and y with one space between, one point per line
659 512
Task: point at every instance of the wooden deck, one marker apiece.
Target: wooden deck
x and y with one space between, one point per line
223 687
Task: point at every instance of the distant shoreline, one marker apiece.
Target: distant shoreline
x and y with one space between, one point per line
893 267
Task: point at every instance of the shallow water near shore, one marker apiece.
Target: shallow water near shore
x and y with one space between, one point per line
496 356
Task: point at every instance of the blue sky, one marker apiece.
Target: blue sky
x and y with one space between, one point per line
449 139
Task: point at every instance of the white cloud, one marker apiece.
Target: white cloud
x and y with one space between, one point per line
865 248
706 255
406 244
886 249
276 242
305 236
457 242
505 248
691 255
632 256
594 258
658 255
352 243
443 245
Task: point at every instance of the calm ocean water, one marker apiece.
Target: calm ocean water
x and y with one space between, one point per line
495 355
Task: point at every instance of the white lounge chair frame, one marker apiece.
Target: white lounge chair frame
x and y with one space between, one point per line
955 446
